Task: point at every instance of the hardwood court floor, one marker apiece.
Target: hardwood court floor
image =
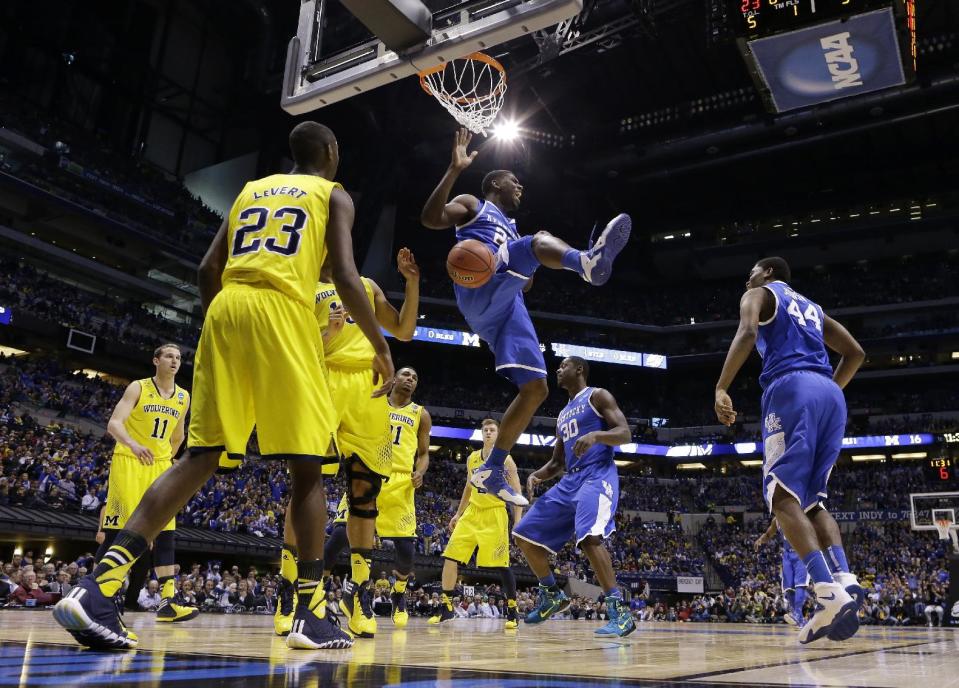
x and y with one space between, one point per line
240 650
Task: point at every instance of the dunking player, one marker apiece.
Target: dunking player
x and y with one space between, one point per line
481 525
362 431
257 364
496 311
147 424
795 579
804 415
583 503
410 426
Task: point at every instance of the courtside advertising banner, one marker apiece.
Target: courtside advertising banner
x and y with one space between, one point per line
830 61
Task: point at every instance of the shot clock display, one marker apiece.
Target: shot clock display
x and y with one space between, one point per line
942 469
765 17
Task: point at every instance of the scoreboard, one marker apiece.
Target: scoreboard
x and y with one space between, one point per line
942 469
755 18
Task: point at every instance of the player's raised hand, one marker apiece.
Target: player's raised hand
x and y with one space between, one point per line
383 373
584 443
461 158
337 320
531 482
142 453
723 406
406 264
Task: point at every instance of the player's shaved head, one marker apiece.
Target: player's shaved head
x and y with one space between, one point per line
779 267
311 144
579 363
494 177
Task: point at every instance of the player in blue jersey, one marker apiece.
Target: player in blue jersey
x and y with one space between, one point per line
496 311
583 503
803 418
794 577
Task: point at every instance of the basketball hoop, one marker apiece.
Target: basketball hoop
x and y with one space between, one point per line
943 525
471 88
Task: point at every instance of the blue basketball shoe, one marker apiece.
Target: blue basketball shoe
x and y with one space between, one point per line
492 479
598 259
620 620
550 602
93 619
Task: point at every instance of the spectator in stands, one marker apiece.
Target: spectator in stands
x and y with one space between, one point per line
29 590
149 598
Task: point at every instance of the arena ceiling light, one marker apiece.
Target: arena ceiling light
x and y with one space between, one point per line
506 131
691 466
869 457
910 455
752 462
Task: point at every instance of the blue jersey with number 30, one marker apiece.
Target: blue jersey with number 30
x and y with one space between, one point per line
792 339
491 226
579 418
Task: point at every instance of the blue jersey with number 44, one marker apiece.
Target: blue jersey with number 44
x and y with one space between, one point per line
792 339
579 418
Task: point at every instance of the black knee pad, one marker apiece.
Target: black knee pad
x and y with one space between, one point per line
164 548
405 548
357 501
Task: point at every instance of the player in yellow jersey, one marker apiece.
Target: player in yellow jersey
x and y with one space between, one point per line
481 525
362 430
147 424
410 426
258 363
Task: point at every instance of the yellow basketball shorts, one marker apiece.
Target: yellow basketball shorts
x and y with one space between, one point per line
362 423
484 531
397 518
258 363
129 481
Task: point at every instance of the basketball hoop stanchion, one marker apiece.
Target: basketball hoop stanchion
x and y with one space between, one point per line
470 88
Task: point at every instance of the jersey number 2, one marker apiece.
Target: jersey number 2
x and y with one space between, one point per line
810 316
159 432
255 220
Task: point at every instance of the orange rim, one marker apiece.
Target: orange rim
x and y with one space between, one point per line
479 57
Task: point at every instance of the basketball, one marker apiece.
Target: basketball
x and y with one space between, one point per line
470 264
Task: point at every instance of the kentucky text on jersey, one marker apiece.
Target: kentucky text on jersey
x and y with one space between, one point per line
579 418
279 191
160 408
491 226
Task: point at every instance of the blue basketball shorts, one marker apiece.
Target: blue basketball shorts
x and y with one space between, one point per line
581 504
804 418
794 571
497 313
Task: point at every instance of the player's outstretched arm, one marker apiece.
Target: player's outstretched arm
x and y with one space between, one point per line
767 535
618 432
422 447
400 323
512 477
750 306
556 466
839 340
440 214
210 272
117 428
339 240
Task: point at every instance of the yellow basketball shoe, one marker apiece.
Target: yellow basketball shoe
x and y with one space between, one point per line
400 616
168 612
283 616
355 606
512 618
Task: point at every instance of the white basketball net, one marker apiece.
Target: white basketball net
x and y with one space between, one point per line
471 89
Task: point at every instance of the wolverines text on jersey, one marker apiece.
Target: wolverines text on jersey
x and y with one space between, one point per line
349 348
404 434
154 417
